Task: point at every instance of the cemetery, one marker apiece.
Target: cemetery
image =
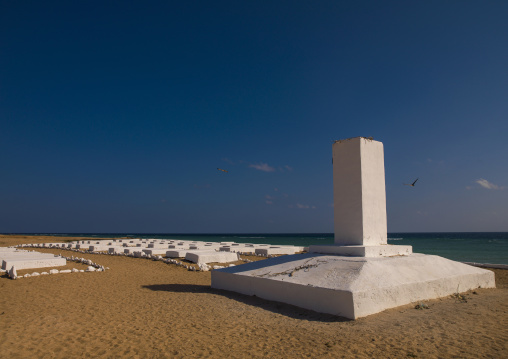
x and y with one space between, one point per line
359 275
192 255
182 285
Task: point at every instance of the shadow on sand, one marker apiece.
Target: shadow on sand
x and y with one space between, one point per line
287 310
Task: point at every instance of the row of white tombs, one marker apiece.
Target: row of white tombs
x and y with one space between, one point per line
171 251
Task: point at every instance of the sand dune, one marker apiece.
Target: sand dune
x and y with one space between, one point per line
148 309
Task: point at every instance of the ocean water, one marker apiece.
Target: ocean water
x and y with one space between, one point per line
480 247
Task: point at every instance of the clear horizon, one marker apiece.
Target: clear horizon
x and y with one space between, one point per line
225 233
119 118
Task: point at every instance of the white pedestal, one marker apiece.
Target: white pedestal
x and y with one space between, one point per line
351 287
362 274
386 250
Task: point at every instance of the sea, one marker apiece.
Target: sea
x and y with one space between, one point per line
479 247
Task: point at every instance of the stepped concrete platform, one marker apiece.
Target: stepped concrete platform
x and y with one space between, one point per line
384 250
352 287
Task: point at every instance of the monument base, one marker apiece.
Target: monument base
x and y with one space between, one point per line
351 287
385 250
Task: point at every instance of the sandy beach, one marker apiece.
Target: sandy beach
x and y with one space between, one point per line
141 308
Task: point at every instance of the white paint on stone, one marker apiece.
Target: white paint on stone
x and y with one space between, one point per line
33 262
181 253
359 192
13 273
211 257
352 287
155 251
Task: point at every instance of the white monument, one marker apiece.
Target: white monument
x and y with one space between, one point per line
360 274
360 201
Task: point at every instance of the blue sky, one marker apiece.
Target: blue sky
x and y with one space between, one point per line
114 116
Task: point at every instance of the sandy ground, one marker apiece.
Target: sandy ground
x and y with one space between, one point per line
148 309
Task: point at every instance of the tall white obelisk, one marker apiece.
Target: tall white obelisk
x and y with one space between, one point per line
359 192
359 198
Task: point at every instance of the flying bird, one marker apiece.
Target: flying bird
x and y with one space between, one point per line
220 169
412 184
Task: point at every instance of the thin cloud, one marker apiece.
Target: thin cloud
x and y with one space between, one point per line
304 206
227 160
262 167
488 185
285 168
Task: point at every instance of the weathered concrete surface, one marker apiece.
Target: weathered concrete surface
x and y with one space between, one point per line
276 250
158 245
115 250
8 249
181 253
28 259
154 251
351 287
359 192
33 262
98 248
132 250
204 257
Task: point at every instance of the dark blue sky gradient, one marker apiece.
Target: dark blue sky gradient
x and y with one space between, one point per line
115 115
